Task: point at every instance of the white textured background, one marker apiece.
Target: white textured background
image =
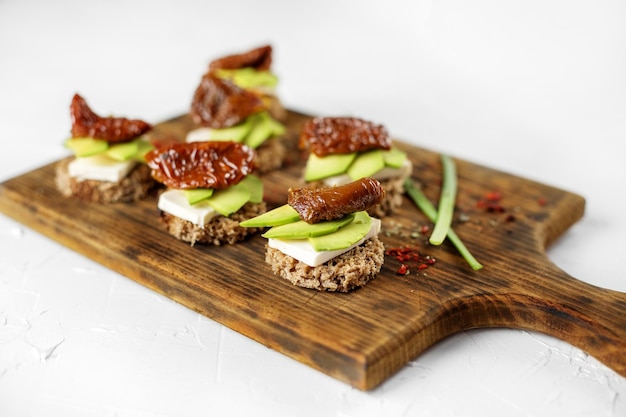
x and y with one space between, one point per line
535 88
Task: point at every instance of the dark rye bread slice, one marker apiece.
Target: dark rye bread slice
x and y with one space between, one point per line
394 191
346 272
270 155
220 230
135 186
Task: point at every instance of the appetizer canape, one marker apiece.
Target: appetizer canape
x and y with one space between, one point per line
108 164
324 239
345 149
210 190
225 112
252 70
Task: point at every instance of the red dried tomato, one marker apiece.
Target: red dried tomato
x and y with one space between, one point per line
219 103
201 164
340 135
331 203
258 58
86 123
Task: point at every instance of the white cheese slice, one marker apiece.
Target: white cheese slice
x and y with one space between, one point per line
201 134
99 167
304 252
387 172
175 203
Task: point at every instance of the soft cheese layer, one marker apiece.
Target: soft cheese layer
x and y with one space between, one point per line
385 173
175 203
304 252
100 168
201 134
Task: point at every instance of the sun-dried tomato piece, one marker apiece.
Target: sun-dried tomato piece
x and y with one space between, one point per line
331 203
86 123
219 103
340 135
214 165
258 58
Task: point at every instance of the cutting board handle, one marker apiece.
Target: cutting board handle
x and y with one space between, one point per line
589 317
523 288
555 303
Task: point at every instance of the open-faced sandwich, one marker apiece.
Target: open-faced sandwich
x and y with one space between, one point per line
324 239
108 163
224 111
252 70
210 189
345 149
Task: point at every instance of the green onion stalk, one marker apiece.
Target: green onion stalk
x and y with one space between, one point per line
430 211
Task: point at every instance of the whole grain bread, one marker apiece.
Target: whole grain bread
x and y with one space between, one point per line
135 186
220 230
346 272
394 192
270 155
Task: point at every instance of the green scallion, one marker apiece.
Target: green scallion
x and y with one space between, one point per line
430 211
446 201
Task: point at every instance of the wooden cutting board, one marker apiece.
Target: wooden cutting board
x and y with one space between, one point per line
365 336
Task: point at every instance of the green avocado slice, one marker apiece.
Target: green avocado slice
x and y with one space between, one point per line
254 78
263 128
235 133
86 146
260 132
143 147
251 183
276 217
195 195
318 168
302 230
366 164
344 237
229 200
394 157
255 186
249 77
123 151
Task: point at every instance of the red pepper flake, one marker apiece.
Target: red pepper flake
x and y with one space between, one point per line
495 208
424 229
542 201
407 255
491 202
494 196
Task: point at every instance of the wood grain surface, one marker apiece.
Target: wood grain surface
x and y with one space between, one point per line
365 336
